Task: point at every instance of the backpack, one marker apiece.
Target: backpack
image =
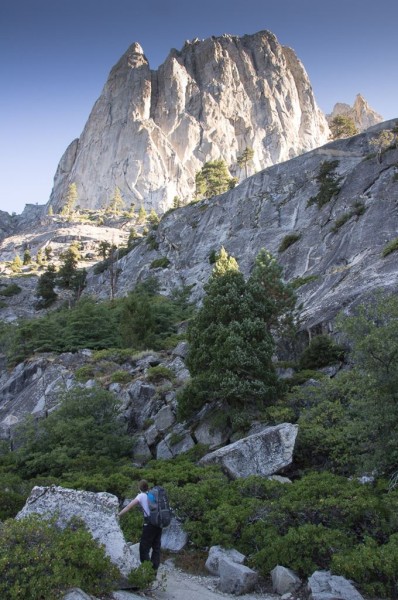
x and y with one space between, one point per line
159 508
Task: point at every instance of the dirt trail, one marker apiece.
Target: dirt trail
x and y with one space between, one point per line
182 586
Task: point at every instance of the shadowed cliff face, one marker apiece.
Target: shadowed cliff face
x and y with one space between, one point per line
339 245
151 131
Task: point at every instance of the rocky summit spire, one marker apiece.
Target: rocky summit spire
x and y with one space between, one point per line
360 112
150 131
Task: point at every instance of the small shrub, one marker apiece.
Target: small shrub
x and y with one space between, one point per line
213 257
373 567
152 243
143 576
84 373
39 560
288 240
300 281
117 355
159 372
358 209
10 290
161 263
391 247
329 184
121 377
321 352
303 376
304 549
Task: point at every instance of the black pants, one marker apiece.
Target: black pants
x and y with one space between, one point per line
151 539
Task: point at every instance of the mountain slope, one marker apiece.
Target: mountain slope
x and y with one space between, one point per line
339 245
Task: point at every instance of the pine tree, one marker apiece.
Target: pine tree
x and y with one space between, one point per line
245 158
16 264
342 126
231 344
213 179
153 219
68 268
27 257
142 215
70 202
117 202
45 287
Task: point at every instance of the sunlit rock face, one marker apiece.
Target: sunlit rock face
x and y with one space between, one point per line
150 131
360 112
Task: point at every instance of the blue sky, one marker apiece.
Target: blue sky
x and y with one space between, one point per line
55 56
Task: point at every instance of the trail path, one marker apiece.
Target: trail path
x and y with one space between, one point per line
179 585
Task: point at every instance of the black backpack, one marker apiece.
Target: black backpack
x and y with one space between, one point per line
159 508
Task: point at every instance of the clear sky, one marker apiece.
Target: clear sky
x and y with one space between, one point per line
55 56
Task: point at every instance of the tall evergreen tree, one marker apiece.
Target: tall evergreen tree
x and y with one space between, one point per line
45 287
70 202
245 158
213 179
231 344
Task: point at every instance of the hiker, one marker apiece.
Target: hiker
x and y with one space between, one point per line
151 534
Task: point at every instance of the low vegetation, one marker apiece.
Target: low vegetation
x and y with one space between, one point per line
329 183
327 518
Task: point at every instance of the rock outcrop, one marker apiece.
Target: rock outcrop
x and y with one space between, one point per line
261 454
150 131
337 255
360 112
322 585
97 510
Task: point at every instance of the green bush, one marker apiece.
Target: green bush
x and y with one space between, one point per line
391 247
304 549
121 377
329 184
10 290
288 240
300 281
159 372
372 566
143 576
161 263
321 352
84 373
38 560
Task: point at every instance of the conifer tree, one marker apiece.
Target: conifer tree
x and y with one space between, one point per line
153 218
342 126
213 179
117 202
70 202
142 215
245 158
16 264
231 344
45 287
68 268
27 257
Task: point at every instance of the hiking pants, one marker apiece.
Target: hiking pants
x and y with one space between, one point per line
150 539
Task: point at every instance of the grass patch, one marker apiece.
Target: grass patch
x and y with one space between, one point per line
160 263
300 281
358 209
10 290
329 183
288 240
391 247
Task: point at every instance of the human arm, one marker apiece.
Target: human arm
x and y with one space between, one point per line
128 506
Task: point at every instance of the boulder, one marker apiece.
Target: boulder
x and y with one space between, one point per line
174 538
141 452
141 404
181 350
261 454
76 594
209 435
164 418
284 580
98 511
322 585
175 443
216 553
236 578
